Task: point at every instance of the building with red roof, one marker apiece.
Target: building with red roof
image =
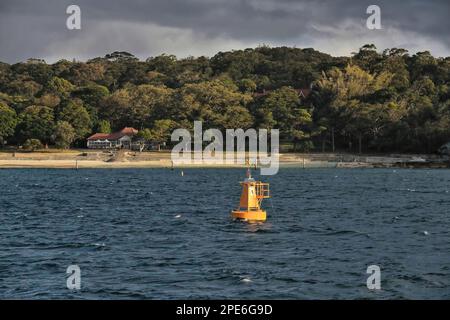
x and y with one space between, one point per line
118 140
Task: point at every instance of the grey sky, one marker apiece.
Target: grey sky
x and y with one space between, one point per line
37 28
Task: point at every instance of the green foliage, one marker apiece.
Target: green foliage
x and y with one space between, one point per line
214 102
32 145
48 100
120 56
104 126
305 146
8 121
36 122
372 101
23 86
161 131
59 87
281 109
247 86
64 135
77 116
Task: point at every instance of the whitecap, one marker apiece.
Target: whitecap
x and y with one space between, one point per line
100 244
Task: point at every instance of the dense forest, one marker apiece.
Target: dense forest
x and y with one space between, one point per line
373 101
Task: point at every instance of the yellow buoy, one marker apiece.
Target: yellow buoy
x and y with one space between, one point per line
253 192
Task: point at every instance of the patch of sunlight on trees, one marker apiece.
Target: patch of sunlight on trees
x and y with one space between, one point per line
373 101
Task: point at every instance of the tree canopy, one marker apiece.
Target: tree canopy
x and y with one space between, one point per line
372 101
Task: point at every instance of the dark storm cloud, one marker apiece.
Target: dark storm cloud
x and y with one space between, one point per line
37 28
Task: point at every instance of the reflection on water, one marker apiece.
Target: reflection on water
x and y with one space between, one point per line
256 226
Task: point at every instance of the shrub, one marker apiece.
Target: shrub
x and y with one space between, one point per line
32 144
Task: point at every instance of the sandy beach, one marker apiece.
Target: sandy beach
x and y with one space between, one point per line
72 159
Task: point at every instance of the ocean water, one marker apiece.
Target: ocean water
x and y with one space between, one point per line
153 234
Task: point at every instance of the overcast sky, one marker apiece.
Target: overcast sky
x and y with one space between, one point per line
37 28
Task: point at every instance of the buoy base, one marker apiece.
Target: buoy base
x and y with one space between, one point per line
250 216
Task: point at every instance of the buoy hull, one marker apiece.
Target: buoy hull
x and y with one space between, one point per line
250 216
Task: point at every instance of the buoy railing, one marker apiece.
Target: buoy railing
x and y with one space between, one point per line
262 190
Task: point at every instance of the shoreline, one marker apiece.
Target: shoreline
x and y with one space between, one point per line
93 159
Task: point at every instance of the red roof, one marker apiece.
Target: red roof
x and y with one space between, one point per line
114 136
99 136
129 131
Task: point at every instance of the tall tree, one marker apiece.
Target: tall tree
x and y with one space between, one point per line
64 134
284 106
8 121
160 132
349 93
104 126
36 122
77 116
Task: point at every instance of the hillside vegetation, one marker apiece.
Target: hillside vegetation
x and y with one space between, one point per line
374 101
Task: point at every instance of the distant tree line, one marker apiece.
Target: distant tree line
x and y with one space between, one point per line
373 101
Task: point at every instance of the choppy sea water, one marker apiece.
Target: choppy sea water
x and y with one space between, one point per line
154 234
